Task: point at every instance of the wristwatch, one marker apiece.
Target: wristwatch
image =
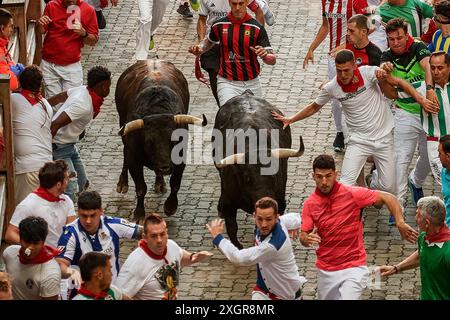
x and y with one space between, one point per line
430 87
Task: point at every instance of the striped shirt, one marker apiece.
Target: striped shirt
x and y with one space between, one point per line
439 42
413 11
337 217
235 37
435 125
407 67
337 13
370 55
75 241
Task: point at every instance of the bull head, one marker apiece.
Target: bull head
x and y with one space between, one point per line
280 153
179 119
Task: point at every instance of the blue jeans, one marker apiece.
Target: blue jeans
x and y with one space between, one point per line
69 153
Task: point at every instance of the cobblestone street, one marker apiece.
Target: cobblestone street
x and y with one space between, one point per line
287 86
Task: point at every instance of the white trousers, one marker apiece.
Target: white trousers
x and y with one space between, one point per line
227 89
408 133
151 13
335 105
435 162
347 284
61 78
382 151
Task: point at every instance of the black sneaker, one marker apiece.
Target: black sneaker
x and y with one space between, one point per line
184 10
338 143
101 21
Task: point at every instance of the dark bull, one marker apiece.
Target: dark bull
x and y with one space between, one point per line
152 99
242 181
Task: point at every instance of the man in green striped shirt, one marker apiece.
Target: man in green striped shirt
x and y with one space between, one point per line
433 253
436 121
408 59
413 11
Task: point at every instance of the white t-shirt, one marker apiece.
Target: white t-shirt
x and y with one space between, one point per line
80 110
213 10
32 136
367 111
144 278
32 281
55 213
378 36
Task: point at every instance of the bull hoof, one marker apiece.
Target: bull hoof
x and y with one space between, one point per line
138 214
170 207
122 188
160 188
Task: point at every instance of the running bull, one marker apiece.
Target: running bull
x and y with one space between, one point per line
246 123
152 99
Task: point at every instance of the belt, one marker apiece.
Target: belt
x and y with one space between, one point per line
269 294
298 294
432 138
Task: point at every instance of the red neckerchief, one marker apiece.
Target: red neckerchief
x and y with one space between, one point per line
77 4
97 102
357 82
44 194
336 187
442 236
96 296
236 21
409 43
198 72
103 3
47 253
32 97
143 246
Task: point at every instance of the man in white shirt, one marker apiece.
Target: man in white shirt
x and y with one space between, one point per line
92 231
368 118
31 117
152 270
277 271
48 202
34 271
81 105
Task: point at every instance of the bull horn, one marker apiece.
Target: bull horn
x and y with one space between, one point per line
233 159
188 119
282 153
131 126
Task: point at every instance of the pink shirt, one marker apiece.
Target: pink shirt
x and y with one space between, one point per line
337 217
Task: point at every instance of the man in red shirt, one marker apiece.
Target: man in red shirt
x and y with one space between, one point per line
7 65
68 25
332 218
241 40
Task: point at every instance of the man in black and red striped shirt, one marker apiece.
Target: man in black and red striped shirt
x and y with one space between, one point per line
241 41
366 53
